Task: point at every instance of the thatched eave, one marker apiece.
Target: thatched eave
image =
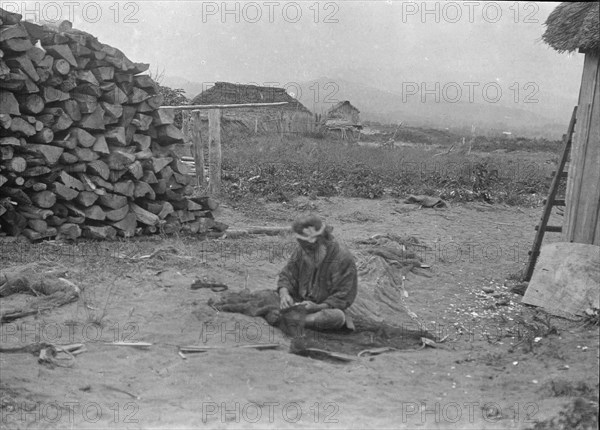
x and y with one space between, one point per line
574 26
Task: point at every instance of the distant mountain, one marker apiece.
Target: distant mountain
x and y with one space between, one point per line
375 104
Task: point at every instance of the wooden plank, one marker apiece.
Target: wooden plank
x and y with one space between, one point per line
588 90
241 105
214 151
566 279
197 148
588 203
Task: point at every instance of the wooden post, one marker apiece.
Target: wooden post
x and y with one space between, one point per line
197 147
256 125
214 151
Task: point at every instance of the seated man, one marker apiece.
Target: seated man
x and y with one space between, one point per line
320 275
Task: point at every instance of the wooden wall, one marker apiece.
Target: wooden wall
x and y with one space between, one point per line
582 215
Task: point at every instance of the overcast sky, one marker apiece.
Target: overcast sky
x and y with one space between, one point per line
378 43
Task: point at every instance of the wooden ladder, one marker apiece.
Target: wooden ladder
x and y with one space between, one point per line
551 201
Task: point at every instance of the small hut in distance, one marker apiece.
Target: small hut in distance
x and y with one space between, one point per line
571 27
291 117
343 117
345 111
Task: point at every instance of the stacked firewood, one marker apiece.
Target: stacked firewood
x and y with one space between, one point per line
84 148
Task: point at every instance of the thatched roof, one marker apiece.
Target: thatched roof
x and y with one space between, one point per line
228 93
574 26
340 104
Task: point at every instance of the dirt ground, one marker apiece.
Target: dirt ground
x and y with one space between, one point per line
501 365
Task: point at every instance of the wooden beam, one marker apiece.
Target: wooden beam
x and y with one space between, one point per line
197 148
214 151
241 105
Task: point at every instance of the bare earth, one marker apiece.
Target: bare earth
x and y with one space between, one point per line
500 365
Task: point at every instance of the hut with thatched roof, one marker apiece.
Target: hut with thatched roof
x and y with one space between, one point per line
291 117
571 27
344 111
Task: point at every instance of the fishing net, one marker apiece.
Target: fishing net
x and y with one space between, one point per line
380 314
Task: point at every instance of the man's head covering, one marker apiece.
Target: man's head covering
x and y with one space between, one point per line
308 228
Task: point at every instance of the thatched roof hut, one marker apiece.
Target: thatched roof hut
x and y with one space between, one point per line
229 93
291 117
344 111
570 27
574 26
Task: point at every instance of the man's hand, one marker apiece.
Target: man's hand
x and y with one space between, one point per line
285 300
312 307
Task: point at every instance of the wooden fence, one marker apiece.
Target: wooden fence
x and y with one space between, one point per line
214 140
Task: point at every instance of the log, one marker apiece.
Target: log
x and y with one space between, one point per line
61 66
105 73
17 44
114 96
50 153
81 137
136 169
166 210
11 31
44 199
95 213
19 125
85 154
101 233
71 182
141 141
62 51
93 121
169 134
100 145
137 96
87 76
98 181
55 221
100 168
144 81
63 192
32 103
112 112
68 231
86 198
6 152
3 180
16 164
163 116
23 62
115 136
45 135
36 55
143 189
9 140
31 212
68 158
141 122
112 201
118 214
127 225
126 188
37 225
87 104
51 95
5 121
149 177
160 163
144 216
71 107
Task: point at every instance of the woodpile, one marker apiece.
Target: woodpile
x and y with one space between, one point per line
84 148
